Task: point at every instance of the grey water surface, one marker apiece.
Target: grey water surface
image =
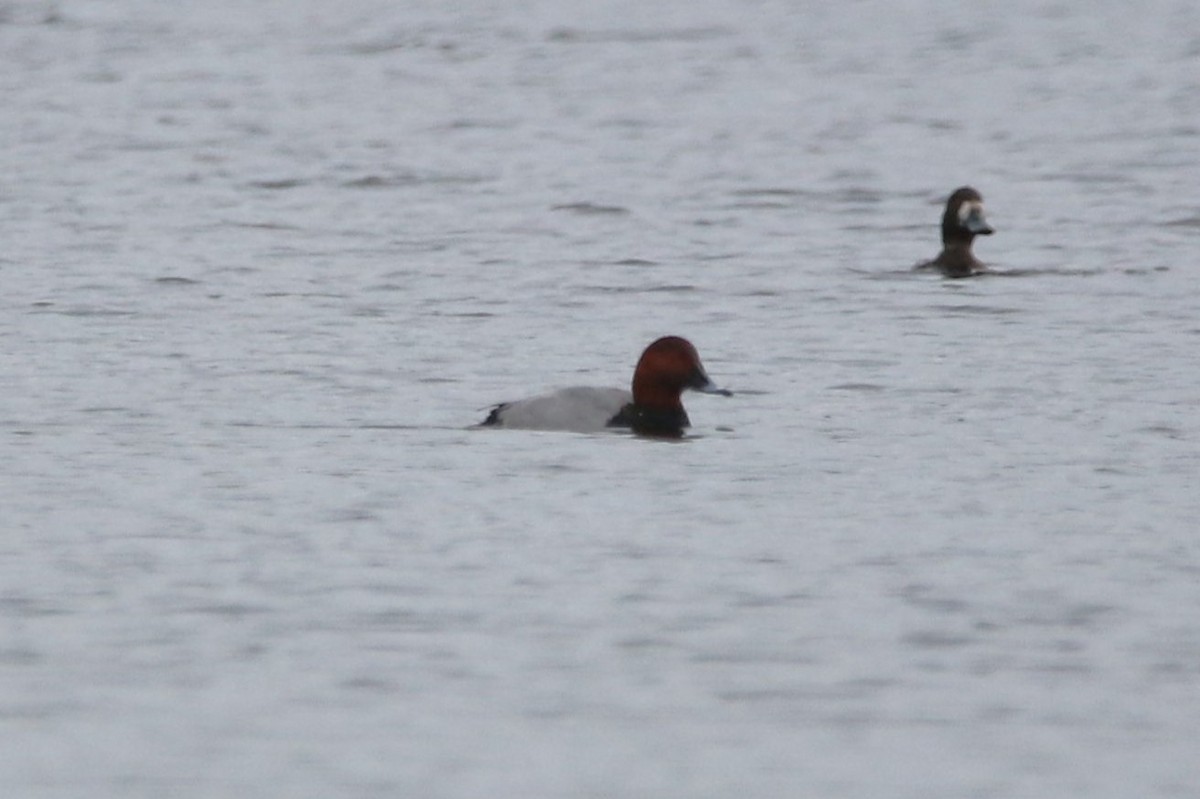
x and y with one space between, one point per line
266 263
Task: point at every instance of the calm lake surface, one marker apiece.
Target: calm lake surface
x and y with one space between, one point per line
265 264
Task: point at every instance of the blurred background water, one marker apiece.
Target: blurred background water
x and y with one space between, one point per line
265 264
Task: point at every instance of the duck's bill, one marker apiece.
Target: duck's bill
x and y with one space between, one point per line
709 387
701 382
977 223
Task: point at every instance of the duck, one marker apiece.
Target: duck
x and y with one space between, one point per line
961 223
652 407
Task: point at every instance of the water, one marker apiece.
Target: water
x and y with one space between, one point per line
265 264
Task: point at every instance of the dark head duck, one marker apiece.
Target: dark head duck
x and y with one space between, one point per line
962 222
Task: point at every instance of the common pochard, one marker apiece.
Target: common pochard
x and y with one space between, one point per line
667 367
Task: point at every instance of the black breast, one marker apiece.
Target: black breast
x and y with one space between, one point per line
651 422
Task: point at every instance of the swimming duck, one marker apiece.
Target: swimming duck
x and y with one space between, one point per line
962 222
667 367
